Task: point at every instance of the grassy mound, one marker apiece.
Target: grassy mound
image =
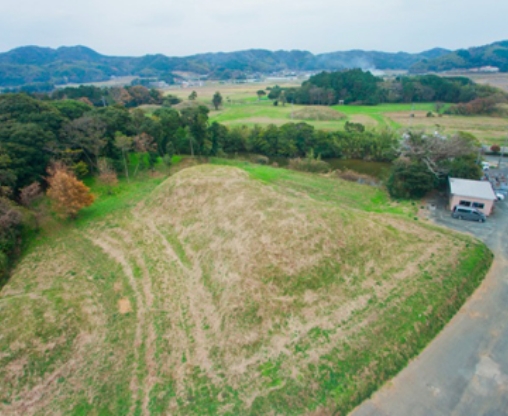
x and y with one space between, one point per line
317 113
190 104
229 289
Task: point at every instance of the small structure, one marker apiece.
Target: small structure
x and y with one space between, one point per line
475 194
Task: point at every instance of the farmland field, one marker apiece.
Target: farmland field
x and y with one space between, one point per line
241 107
227 288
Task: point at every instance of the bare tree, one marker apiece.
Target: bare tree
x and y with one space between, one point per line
434 149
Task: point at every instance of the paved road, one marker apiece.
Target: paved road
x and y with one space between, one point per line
464 371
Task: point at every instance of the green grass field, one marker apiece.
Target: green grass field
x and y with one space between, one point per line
263 113
249 111
241 107
227 288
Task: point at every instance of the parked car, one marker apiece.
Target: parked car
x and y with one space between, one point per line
468 213
500 196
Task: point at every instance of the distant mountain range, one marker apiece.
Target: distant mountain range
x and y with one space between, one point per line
493 55
79 64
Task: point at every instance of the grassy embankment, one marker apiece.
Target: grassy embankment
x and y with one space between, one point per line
227 289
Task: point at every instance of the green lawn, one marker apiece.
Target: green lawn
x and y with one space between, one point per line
264 112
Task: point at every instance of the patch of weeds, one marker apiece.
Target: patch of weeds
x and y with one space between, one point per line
248 315
270 370
160 397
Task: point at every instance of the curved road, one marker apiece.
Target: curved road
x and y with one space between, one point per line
464 370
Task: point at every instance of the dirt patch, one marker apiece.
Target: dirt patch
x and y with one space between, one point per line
124 306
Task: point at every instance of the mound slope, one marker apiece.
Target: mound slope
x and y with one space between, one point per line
318 113
219 294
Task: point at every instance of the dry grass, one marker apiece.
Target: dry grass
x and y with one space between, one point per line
215 294
318 113
233 92
353 176
363 119
487 129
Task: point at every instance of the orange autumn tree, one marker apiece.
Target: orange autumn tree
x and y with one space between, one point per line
68 194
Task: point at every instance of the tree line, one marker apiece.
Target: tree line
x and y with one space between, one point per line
360 87
34 131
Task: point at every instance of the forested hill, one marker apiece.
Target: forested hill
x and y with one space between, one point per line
495 55
37 65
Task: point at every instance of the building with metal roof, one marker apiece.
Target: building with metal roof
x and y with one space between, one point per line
470 193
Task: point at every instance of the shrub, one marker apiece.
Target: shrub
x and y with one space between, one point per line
68 194
167 160
354 127
13 219
80 169
410 179
495 148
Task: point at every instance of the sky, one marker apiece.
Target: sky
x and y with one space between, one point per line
186 27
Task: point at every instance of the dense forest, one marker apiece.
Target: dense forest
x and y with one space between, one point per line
41 68
359 87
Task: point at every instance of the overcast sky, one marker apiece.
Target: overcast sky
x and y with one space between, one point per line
185 27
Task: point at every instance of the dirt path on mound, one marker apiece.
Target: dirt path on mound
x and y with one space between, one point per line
110 247
199 302
146 286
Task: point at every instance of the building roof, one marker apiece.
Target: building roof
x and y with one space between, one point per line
473 189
